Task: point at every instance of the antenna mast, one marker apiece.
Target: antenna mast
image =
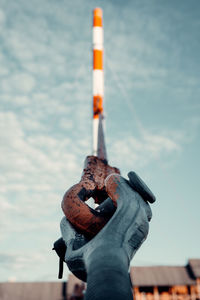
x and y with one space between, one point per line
99 148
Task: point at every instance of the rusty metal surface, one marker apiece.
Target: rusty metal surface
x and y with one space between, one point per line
111 187
95 171
92 184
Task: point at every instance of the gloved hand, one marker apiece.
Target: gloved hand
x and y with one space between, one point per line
104 260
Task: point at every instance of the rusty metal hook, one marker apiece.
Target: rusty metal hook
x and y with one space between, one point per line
92 184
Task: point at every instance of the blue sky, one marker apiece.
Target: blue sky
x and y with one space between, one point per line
152 71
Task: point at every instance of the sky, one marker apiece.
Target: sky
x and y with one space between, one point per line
152 109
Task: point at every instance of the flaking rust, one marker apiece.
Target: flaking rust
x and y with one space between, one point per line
92 184
96 170
112 183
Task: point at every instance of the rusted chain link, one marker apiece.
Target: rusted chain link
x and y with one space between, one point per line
92 184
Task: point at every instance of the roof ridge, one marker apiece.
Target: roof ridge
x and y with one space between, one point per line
163 266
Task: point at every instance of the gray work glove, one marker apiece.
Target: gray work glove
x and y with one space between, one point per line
104 260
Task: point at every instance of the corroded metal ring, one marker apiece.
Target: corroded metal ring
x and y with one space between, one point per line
92 184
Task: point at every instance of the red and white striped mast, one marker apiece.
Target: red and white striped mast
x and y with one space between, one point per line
98 84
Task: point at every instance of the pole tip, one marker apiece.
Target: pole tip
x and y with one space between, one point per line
98 12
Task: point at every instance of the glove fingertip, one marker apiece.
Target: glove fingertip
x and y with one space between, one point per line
139 186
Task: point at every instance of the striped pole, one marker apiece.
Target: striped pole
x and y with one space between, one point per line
98 78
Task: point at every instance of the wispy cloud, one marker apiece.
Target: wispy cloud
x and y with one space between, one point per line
149 148
20 82
19 261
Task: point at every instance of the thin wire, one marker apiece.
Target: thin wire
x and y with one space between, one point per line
126 98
